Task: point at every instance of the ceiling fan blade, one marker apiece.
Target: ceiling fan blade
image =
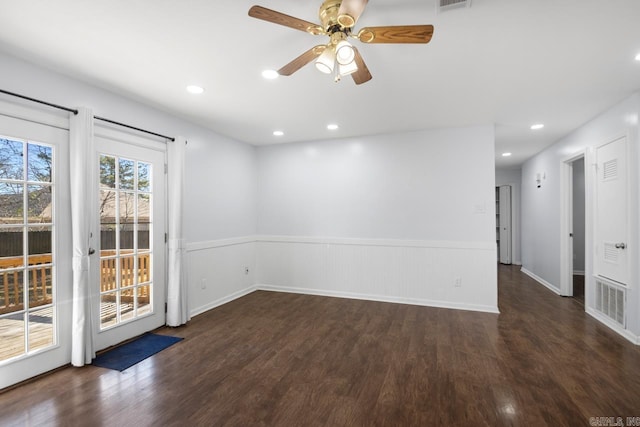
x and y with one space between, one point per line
397 34
350 11
362 75
301 60
269 15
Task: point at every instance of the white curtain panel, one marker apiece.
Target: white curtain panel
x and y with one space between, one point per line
177 305
81 149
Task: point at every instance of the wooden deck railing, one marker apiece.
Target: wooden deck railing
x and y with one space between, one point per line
40 280
11 282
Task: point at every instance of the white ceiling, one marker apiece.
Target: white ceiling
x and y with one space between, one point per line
508 62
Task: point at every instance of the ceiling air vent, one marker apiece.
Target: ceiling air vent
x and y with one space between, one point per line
445 5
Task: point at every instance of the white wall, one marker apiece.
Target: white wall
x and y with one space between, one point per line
541 206
394 217
578 215
513 177
419 186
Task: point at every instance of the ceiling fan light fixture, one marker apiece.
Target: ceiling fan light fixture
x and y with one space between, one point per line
344 52
346 69
196 90
270 74
327 60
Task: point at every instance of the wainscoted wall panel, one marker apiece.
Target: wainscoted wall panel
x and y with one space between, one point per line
440 274
216 272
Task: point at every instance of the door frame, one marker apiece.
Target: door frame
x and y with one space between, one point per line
566 220
105 338
50 128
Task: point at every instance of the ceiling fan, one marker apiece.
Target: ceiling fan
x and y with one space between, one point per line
338 56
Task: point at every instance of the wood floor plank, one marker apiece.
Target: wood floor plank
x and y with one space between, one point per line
278 359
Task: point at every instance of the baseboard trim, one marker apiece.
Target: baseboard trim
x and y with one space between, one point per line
541 281
379 298
221 301
635 339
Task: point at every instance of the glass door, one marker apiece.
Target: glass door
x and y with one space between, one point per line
129 272
35 273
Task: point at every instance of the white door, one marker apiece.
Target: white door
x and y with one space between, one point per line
130 225
35 269
505 224
612 211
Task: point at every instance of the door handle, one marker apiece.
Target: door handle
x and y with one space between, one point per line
620 245
93 251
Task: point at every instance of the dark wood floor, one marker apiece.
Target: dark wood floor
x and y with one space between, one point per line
295 360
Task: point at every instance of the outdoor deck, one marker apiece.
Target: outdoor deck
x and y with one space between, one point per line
41 321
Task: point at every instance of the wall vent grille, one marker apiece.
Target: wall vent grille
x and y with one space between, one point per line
611 301
444 5
611 253
610 170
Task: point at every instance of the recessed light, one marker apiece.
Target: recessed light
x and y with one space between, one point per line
270 74
506 154
537 126
278 133
195 89
638 57
332 126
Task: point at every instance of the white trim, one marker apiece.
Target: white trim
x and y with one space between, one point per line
635 339
449 244
566 221
380 298
212 244
222 301
440 244
541 281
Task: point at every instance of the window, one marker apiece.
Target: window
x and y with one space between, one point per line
27 285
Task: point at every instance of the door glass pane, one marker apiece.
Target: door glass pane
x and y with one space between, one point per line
107 211
108 274
126 230
12 336
127 222
144 176
12 294
39 163
26 267
127 306
127 271
11 203
108 309
11 159
40 239
12 247
39 203
41 329
107 172
40 286
144 300
126 174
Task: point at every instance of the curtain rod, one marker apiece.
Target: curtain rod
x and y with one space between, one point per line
75 112
71 110
134 128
